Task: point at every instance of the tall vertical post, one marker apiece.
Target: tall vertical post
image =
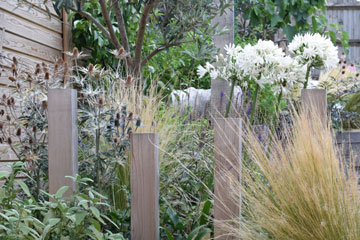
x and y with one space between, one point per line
315 100
227 174
144 185
220 89
63 139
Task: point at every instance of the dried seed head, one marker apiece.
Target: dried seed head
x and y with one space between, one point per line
45 68
12 100
2 112
18 132
75 52
56 67
340 62
34 129
343 67
4 96
44 104
91 68
26 148
8 117
138 122
1 140
37 69
11 78
8 102
82 95
120 52
59 61
47 76
30 141
101 101
345 62
130 116
128 80
9 141
15 61
115 140
357 75
14 70
117 123
352 65
343 72
118 116
1 125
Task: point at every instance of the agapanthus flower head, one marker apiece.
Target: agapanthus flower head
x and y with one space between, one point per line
314 50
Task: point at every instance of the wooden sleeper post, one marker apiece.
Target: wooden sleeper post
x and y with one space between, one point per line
63 139
144 185
227 147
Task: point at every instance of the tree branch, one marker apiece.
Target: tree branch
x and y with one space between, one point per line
92 19
141 33
107 20
121 25
160 49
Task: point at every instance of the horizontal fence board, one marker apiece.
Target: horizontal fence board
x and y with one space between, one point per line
24 60
31 31
39 4
32 14
31 48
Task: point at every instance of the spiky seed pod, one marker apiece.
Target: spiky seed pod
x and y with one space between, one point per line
128 80
60 61
1 140
115 140
4 96
14 69
120 52
30 141
37 69
357 75
11 78
130 116
91 68
47 76
45 67
117 123
340 62
75 52
15 61
34 129
18 132
56 67
8 117
9 141
343 72
2 112
345 62
352 65
343 67
8 102
138 122
82 95
26 148
12 101
44 104
101 101
118 116
1 125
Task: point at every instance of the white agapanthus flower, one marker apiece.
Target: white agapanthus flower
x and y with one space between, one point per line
314 50
258 61
288 73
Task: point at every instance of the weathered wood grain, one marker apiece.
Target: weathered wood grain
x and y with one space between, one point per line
144 178
31 48
31 31
315 101
32 14
62 138
227 161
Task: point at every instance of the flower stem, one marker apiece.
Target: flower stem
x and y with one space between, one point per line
307 76
254 101
277 108
230 97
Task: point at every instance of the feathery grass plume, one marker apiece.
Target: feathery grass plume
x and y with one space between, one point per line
299 188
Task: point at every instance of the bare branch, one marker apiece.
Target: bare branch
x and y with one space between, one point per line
121 25
107 20
141 32
160 49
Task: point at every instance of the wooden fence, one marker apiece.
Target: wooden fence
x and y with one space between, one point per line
28 33
347 13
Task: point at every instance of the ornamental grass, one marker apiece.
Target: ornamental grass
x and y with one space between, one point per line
297 188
